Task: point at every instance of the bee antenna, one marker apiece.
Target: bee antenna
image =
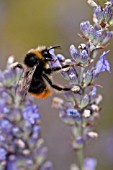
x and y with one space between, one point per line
54 47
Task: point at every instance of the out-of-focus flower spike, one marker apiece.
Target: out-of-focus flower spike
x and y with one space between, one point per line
19 126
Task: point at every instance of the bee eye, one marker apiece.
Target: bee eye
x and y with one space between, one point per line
31 60
47 55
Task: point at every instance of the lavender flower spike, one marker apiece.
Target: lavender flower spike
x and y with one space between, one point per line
81 108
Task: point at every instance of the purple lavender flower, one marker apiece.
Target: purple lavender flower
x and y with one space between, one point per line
102 15
107 12
91 34
102 64
60 57
75 54
111 1
84 27
30 114
81 57
99 14
3 153
56 59
107 36
73 112
90 164
93 93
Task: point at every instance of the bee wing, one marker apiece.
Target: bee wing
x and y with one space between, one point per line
24 82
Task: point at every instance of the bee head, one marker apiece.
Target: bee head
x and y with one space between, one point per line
45 53
34 56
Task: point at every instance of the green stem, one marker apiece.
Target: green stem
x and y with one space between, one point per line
80 157
80 152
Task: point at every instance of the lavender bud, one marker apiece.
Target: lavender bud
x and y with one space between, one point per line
60 57
84 101
75 54
57 102
86 113
84 27
99 13
73 112
92 135
87 78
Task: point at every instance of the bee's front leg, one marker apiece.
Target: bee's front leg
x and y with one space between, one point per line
17 65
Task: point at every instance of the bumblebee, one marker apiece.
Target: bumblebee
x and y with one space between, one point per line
36 71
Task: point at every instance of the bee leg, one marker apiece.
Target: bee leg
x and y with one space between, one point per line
16 64
55 86
53 69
